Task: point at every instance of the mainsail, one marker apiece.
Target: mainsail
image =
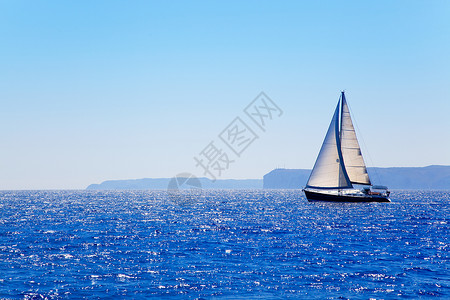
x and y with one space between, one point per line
329 170
351 152
340 162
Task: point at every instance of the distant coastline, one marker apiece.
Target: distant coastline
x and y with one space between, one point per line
430 177
162 184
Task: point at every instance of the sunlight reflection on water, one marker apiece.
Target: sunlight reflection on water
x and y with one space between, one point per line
65 244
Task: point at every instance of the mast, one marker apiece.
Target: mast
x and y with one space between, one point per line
341 101
350 149
344 180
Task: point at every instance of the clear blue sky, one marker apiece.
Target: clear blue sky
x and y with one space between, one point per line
98 90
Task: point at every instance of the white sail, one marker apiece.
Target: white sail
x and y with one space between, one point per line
351 152
329 171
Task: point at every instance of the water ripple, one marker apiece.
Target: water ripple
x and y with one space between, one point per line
228 244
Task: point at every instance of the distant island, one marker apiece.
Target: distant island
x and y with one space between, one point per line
430 177
162 184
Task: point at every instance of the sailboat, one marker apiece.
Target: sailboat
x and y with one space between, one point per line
340 165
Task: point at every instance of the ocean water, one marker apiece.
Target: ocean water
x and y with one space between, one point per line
222 245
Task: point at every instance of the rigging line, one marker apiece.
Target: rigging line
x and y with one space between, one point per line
366 149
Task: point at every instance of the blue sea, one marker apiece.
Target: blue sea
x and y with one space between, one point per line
219 244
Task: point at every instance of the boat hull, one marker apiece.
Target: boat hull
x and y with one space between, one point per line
314 196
